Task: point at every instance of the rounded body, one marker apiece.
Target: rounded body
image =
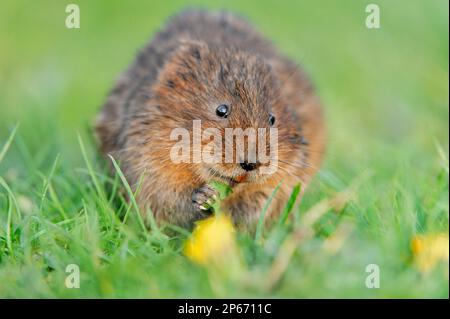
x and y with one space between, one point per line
216 70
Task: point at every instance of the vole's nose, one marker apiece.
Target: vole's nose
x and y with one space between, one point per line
246 166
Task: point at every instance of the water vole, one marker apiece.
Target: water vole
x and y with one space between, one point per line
213 67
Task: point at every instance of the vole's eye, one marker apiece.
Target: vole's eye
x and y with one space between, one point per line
223 110
271 119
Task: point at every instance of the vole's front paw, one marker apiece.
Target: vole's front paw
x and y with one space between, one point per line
203 198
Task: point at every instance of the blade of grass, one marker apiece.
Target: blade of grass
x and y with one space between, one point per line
57 202
130 194
177 229
153 224
260 225
5 147
47 182
443 156
103 200
290 204
115 188
11 194
9 227
91 170
138 188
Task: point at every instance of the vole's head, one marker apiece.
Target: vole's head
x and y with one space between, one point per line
231 105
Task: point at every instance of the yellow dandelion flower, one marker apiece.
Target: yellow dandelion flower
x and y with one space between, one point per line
428 250
213 240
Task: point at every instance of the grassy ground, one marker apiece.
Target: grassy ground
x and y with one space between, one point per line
386 97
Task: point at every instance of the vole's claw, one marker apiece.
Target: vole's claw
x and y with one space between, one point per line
204 197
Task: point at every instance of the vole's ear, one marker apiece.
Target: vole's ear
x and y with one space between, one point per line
183 64
191 50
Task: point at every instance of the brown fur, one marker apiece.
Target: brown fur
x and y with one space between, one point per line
197 62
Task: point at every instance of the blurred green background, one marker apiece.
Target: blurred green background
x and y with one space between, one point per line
385 94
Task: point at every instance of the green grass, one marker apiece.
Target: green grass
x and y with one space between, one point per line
385 94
